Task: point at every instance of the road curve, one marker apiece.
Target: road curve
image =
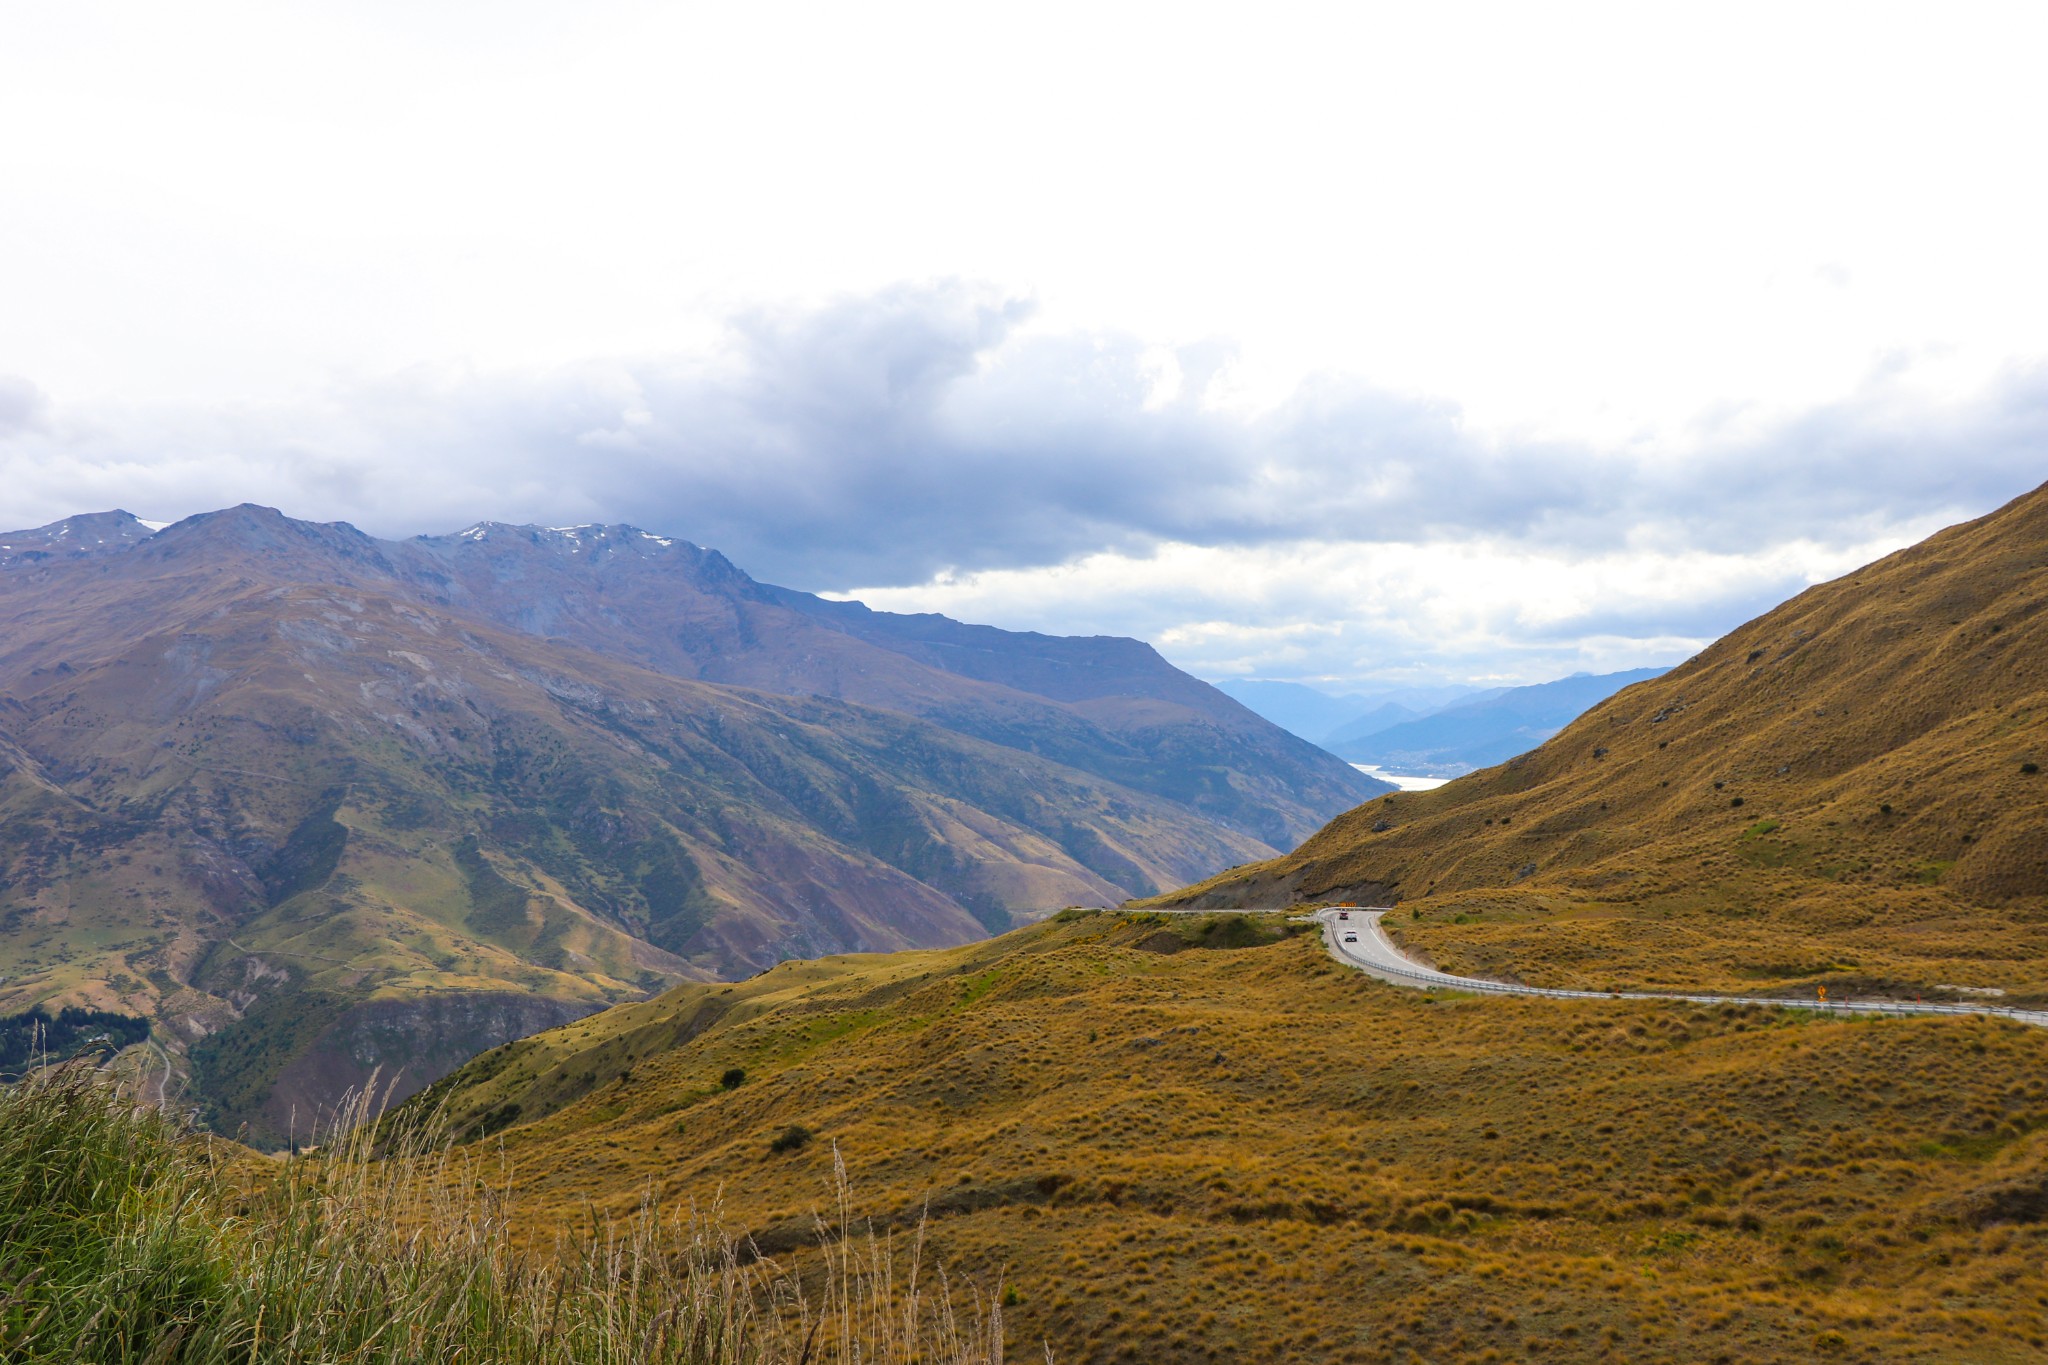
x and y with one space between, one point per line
163 1081
1375 954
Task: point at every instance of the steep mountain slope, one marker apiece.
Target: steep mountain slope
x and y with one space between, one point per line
1192 1139
312 799
1481 732
1847 789
1108 706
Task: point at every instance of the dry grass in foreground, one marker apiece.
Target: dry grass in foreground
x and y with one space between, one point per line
126 1238
1197 1140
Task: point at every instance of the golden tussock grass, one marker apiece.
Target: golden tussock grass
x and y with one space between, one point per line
1848 790
1171 1154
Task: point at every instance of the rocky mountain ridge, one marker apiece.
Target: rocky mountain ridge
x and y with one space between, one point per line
258 775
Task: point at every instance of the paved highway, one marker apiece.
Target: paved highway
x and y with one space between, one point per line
1375 954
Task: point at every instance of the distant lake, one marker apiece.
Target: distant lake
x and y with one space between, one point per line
1401 780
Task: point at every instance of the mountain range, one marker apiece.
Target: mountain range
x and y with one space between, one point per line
320 803
1317 715
1196 1136
1430 732
1189 1136
1476 732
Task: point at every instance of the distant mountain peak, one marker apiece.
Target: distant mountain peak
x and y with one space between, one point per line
570 538
76 537
251 528
248 515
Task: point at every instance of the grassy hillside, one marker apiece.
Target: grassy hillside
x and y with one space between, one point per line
1849 791
1195 1138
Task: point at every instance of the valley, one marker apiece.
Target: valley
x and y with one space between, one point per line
1182 1131
1432 734
1318 684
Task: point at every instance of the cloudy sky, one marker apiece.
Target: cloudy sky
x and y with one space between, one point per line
1338 343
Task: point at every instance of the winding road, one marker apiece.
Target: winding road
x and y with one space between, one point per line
1375 954
163 1082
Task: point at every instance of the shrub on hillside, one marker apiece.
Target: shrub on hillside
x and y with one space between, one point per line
36 1036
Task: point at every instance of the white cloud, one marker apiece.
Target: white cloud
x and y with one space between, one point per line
1584 220
1482 611
1587 291
924 446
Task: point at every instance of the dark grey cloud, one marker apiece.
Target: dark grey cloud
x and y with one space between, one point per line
22 405
881 439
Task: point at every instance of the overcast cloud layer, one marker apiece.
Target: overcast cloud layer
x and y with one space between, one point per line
1316 339
926 448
